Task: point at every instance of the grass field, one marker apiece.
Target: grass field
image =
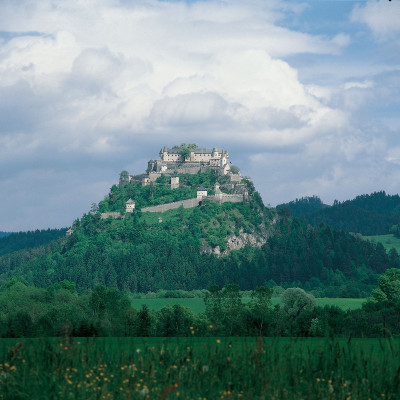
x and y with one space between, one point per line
197 304
151 218
389 241
199 369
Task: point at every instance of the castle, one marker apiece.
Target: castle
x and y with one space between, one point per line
188 160
173 161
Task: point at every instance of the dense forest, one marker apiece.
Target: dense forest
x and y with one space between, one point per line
4 234
24 240
373 214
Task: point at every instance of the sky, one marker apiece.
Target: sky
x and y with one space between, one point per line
305 96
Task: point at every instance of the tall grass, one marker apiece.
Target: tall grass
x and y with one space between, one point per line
199 368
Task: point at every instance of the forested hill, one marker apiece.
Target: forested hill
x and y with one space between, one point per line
372 214
3 234
25 240
142 253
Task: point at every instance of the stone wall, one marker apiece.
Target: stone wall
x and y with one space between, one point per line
114 215
225 198
190 203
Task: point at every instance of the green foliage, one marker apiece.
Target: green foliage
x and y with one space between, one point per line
303 206
144 196
25 240
372 214
395 230
388 289
124 176
184 149
139 254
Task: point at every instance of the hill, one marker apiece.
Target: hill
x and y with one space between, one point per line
369 215
15 241
193 248
4 234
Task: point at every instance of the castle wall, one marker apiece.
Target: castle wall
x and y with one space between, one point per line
190 203
225 198
114 215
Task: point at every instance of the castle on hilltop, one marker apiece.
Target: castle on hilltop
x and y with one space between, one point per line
188 159
194 159
184 160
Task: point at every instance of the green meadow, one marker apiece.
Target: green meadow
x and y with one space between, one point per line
196 304
389 241
199 368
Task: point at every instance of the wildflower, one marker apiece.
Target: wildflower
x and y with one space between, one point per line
138 351
205 368
144 391
218 341
210 326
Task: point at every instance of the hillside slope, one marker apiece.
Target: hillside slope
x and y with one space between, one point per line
25 240
372 214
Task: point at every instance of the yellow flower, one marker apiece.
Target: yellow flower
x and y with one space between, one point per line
218 341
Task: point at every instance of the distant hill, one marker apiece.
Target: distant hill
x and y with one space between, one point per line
11 242
372 214
3 234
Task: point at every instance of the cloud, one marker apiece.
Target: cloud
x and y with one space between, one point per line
382 17
90 88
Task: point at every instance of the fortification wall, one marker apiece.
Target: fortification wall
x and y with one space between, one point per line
114 215
224 198
190 203
171 206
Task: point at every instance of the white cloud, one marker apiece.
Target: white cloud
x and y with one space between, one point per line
381 16
90 83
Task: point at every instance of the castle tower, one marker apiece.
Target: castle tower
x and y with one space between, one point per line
129 206
201 192
174 182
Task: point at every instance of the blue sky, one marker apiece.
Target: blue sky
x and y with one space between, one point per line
304 94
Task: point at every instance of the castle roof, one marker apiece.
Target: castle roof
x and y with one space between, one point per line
130 201
201 188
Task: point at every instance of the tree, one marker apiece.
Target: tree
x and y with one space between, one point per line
144 322
388 289
185 153
260 305
232 308
124 177
94 208
296 300
297 306
234 169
